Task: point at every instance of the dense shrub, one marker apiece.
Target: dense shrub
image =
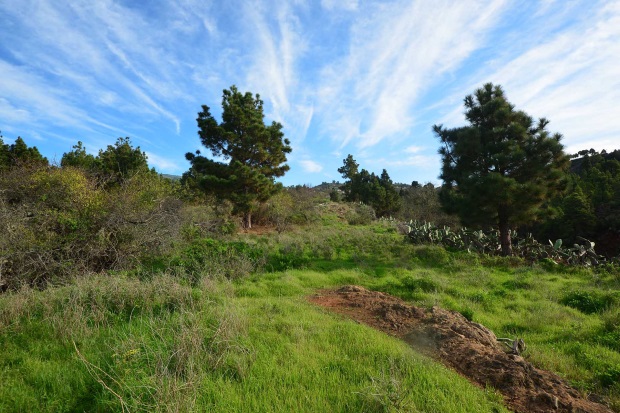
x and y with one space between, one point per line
218 259
362 215
59 222
588 302
524 248
204 220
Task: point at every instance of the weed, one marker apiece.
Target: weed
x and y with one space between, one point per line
588 302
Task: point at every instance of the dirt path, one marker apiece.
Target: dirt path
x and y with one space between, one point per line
469 348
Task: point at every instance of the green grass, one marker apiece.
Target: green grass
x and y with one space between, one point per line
187 338
255 345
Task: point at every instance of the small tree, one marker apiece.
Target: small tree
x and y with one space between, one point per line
501 168
78 158
19 154
255 153
4 154
363 186
121 161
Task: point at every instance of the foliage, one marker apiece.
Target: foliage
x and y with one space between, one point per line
121 160
217 259
19 154
591 207
588 302
464 239
501 168
111 166
58 222
4 154
206 220
186 338
421 203
335 195
78 158
362 214
255 153
160 346
377 191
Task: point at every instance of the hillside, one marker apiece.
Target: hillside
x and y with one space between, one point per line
224 324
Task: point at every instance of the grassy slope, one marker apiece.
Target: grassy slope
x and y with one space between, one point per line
165 343
254 346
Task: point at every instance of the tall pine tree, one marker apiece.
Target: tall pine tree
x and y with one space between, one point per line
254 153
501 168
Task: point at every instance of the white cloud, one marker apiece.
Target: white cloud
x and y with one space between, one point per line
348 5
310 166
420 161
570 77
10 113
394 56
278 45
162 164
413 149
348 76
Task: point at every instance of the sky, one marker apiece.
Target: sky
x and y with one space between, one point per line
361 77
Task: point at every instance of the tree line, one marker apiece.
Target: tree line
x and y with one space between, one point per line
502 170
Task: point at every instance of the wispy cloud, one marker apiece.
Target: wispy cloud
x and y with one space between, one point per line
362 77
331 5
413 149
394 56
278 36
100 49
311 166
162 163
570 76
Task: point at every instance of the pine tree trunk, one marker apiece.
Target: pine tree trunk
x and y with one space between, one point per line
247 220
504 235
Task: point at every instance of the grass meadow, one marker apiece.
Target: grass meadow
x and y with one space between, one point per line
224 325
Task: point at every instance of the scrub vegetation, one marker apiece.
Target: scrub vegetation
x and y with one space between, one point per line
123 290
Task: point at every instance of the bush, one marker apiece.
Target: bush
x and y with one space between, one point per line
362 215
588 302
218 259
279 211
423 284
58 222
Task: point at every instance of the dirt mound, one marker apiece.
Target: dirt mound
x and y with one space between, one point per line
469 348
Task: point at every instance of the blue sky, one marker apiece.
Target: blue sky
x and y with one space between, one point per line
368 78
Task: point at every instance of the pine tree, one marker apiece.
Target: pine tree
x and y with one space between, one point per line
121 160
20 154
501 168
78 158
4 154
255 153
366 187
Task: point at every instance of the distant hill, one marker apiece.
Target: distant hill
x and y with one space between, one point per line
328 186
172 177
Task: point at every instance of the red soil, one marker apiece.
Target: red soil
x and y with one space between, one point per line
467 347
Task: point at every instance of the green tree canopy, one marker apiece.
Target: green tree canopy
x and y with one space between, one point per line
78 158
362 186
501 168
4 154
121 160
19 154
254 153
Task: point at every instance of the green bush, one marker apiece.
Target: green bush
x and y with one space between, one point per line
59 222
588 302
362 215
422 284
219 259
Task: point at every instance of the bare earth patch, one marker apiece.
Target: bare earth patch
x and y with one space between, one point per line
467 347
